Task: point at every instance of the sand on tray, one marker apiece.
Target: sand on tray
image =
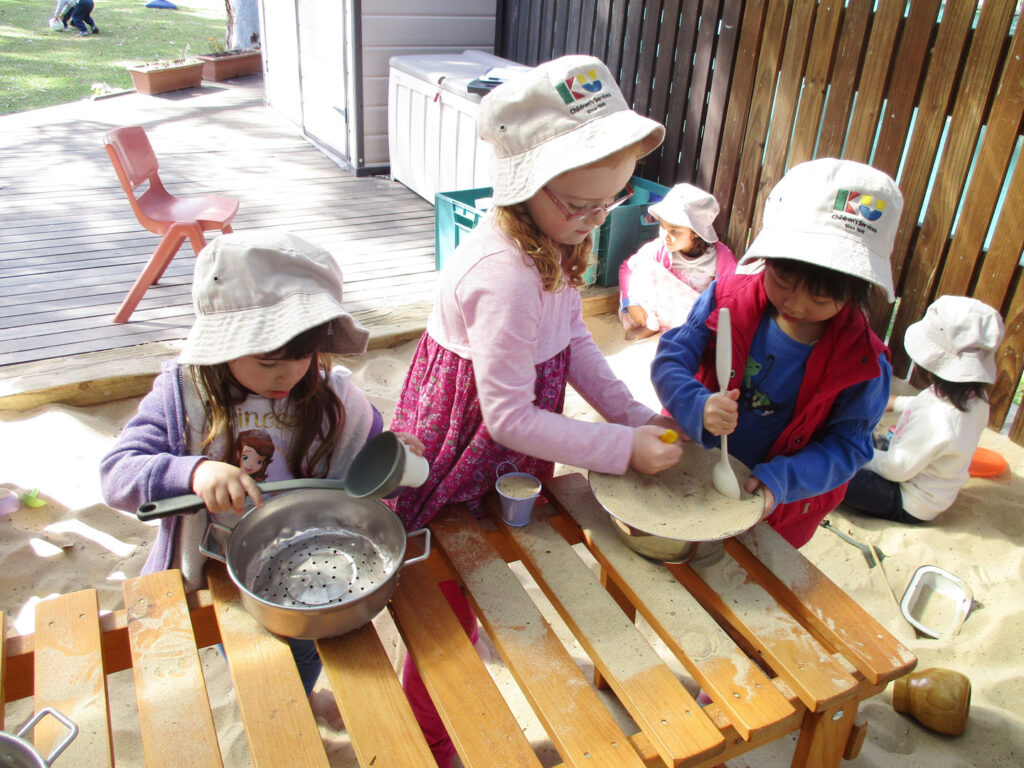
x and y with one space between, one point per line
76 542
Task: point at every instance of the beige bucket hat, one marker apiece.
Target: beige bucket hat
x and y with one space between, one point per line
253 292
837 214
560 115
956 339
688 206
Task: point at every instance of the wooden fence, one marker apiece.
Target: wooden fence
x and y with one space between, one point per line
927 91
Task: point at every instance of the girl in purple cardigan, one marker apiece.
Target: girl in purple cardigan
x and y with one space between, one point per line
268 313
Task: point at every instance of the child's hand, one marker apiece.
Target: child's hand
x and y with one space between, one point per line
751 485
650 453
637 314
663 421
721 412
224 486
413 442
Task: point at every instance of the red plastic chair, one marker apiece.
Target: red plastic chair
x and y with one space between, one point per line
157 210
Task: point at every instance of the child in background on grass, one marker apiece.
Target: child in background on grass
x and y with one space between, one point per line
660 282
810 379
268 315
79 13
506 335
917 473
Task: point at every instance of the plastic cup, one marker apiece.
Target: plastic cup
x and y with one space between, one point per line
518 491
415 469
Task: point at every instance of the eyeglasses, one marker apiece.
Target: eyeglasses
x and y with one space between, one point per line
578 214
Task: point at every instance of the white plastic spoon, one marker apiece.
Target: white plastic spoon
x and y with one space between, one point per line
722 476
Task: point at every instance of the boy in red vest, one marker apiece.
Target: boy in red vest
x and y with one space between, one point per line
810 379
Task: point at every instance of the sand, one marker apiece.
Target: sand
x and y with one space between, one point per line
74 541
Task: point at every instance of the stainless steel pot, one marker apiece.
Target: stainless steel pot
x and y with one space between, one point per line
312 562
17 752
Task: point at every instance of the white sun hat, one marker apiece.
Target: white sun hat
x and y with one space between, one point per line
560 115
838 214
956 339
253 292
688 206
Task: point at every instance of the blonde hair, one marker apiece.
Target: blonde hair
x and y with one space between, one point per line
557 268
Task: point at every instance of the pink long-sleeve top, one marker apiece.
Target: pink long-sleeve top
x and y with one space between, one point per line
492 309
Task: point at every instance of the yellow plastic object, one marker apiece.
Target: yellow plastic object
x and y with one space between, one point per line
987 463
669 436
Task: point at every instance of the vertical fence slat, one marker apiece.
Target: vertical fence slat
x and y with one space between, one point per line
987 180
815 84
846 69
697 101
724 58
748 177
965 126
678 73
616 36
905 63
736 114
631 48
1010 365
797 37
930 120
560 30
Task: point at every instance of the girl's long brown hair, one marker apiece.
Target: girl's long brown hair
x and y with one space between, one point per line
555 267
314 412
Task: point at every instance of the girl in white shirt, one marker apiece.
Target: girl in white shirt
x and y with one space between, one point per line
920 473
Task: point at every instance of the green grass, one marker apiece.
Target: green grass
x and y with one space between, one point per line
40 67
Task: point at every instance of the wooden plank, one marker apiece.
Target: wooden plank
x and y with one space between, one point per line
751 610
582 730
815 82
369 695
748 699
988 176
169 682
648 689
269 691
748 176
671 73
965 124
819 604
727 169
483 729
845 70
724 58
1009 360
3 664
694 122
69 677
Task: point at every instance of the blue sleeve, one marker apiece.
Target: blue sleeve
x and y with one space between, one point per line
841 447
674 370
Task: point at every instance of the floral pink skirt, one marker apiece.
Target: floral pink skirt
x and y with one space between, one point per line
439 404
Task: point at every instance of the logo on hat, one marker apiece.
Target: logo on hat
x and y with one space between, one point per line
865 206
569 90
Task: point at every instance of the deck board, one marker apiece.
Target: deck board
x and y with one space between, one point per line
70 247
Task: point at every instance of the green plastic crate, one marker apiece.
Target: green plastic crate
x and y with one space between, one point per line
457 213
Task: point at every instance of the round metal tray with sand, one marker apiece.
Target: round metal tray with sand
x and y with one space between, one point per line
667 515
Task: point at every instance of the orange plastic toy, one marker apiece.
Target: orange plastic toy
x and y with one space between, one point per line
987 463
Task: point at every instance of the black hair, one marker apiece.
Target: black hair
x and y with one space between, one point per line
959 393
822 281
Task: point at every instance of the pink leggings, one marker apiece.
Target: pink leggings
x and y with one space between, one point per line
423 708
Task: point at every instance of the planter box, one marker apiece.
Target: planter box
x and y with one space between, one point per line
224 66
150 80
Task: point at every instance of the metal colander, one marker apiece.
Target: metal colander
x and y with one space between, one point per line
320 568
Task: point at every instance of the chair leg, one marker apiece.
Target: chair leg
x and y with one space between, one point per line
158 262
192 232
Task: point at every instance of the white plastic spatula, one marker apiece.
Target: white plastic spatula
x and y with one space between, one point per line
722 476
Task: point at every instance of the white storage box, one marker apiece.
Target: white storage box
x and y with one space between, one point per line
432 140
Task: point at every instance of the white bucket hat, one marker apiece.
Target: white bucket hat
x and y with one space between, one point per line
688 206
253 292
560 115
837 214
956 339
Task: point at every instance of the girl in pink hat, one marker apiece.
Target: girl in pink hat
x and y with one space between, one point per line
659 283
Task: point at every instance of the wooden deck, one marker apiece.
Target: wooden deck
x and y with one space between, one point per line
70 247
